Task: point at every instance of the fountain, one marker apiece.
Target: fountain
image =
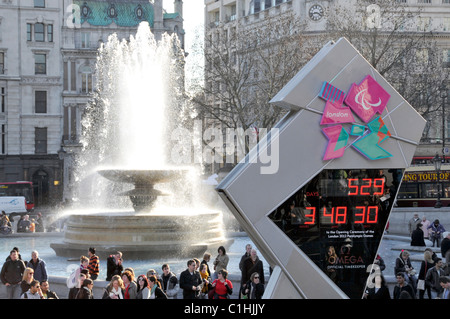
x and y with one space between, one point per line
126 142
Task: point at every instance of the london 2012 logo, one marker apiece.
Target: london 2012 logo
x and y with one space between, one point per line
366 99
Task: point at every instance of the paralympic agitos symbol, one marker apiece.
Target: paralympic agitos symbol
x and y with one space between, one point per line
366 100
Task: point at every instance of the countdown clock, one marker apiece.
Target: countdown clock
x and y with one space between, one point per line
338 219
316 12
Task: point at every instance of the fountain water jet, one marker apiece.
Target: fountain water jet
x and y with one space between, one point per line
125 129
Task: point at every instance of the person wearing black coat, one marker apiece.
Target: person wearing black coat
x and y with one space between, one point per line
190 280
253 288
114 265
417 237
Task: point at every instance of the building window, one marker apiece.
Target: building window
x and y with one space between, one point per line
40 140
3 100
86 79
39 32
257 6
40 63
39 3
40 101
29 31
268 4
50 32
3 139
85 36
2 62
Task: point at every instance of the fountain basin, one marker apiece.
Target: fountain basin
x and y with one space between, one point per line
162 233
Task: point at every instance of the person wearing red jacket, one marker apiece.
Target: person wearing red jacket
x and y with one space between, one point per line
223 287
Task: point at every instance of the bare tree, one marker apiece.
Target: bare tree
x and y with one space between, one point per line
398 41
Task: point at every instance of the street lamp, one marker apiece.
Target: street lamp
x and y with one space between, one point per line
437 161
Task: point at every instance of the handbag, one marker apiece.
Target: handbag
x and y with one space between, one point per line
211 293
421 284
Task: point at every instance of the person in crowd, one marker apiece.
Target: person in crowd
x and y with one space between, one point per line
94 264
221 261
190 281
445 284
401 286
206 259
433 254
40 227
39 266
155 289
152 272
412 224
206 281
417 236
34 292
27 279
248 250
223 287
5 225
380 289
445 247
129 284
75 289
115 289
142 291
432 278
252 264
169 282
427 263
403 264
436 232
426 231
380 262
85 291
84 263
46 292
114 265
23 225
254 289
32 226
12 273
197 264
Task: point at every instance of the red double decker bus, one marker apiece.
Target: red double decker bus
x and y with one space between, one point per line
20 188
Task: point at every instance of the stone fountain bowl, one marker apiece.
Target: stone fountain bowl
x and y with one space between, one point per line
136 176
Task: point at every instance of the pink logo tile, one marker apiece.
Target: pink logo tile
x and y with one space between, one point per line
367 98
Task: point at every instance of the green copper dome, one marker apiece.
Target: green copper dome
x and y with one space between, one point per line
124 13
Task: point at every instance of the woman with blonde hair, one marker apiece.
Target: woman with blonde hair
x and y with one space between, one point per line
426 264
27 279
115 289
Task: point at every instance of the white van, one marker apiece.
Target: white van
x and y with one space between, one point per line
13 204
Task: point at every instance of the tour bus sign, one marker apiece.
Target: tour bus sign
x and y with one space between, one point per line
411 177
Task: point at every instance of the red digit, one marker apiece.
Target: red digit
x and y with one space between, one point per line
362 214
331 215
366 186
350 185
379 183
312 216
341 212
372 214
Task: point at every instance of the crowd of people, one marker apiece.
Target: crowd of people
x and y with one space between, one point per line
29 279
432 280
25 224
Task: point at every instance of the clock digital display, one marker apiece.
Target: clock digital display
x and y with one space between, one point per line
338 219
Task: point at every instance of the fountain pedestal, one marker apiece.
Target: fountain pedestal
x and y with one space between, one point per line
144 233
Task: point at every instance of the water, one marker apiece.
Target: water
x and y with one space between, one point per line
60 266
